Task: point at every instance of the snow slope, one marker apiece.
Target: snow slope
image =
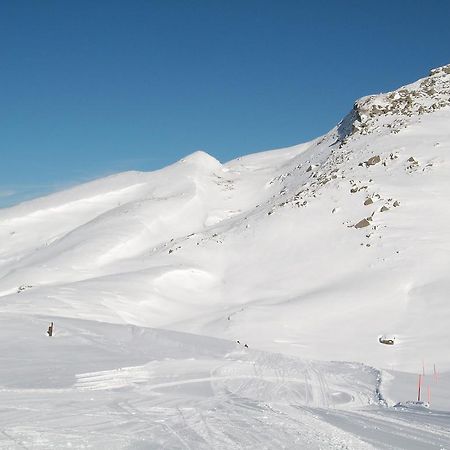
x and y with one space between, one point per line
307 255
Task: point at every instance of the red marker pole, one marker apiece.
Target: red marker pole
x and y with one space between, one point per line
429 394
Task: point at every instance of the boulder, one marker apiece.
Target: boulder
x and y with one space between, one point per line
373 160
362 223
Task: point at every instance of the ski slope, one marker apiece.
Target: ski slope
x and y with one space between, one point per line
98 385
306 255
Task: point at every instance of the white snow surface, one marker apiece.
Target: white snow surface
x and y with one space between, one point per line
152 278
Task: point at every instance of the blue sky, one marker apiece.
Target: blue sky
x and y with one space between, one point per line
89 88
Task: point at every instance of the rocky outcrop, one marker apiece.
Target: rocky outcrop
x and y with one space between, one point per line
424 96
373 160
362 223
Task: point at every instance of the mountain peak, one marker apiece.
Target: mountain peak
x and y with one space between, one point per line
201 159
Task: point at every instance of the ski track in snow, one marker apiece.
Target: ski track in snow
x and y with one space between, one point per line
227 397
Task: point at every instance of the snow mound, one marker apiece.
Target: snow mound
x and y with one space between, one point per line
413 405
202 160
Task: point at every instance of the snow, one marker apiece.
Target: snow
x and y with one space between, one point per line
152 278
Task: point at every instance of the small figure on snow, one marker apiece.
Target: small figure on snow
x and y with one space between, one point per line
50 329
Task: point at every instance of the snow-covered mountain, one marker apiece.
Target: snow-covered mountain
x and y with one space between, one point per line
304 254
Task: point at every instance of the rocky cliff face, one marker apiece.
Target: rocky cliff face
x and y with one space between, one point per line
392 109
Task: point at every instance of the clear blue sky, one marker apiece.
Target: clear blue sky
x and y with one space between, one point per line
88 88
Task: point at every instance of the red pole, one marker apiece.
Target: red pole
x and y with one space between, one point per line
429 394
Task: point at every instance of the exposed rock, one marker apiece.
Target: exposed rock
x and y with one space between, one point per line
23 288
413 163
396 203
422 97
442 69
373 160
368 201
355 188
362 223
384 208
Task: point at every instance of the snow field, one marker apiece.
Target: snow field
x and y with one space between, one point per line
307 255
